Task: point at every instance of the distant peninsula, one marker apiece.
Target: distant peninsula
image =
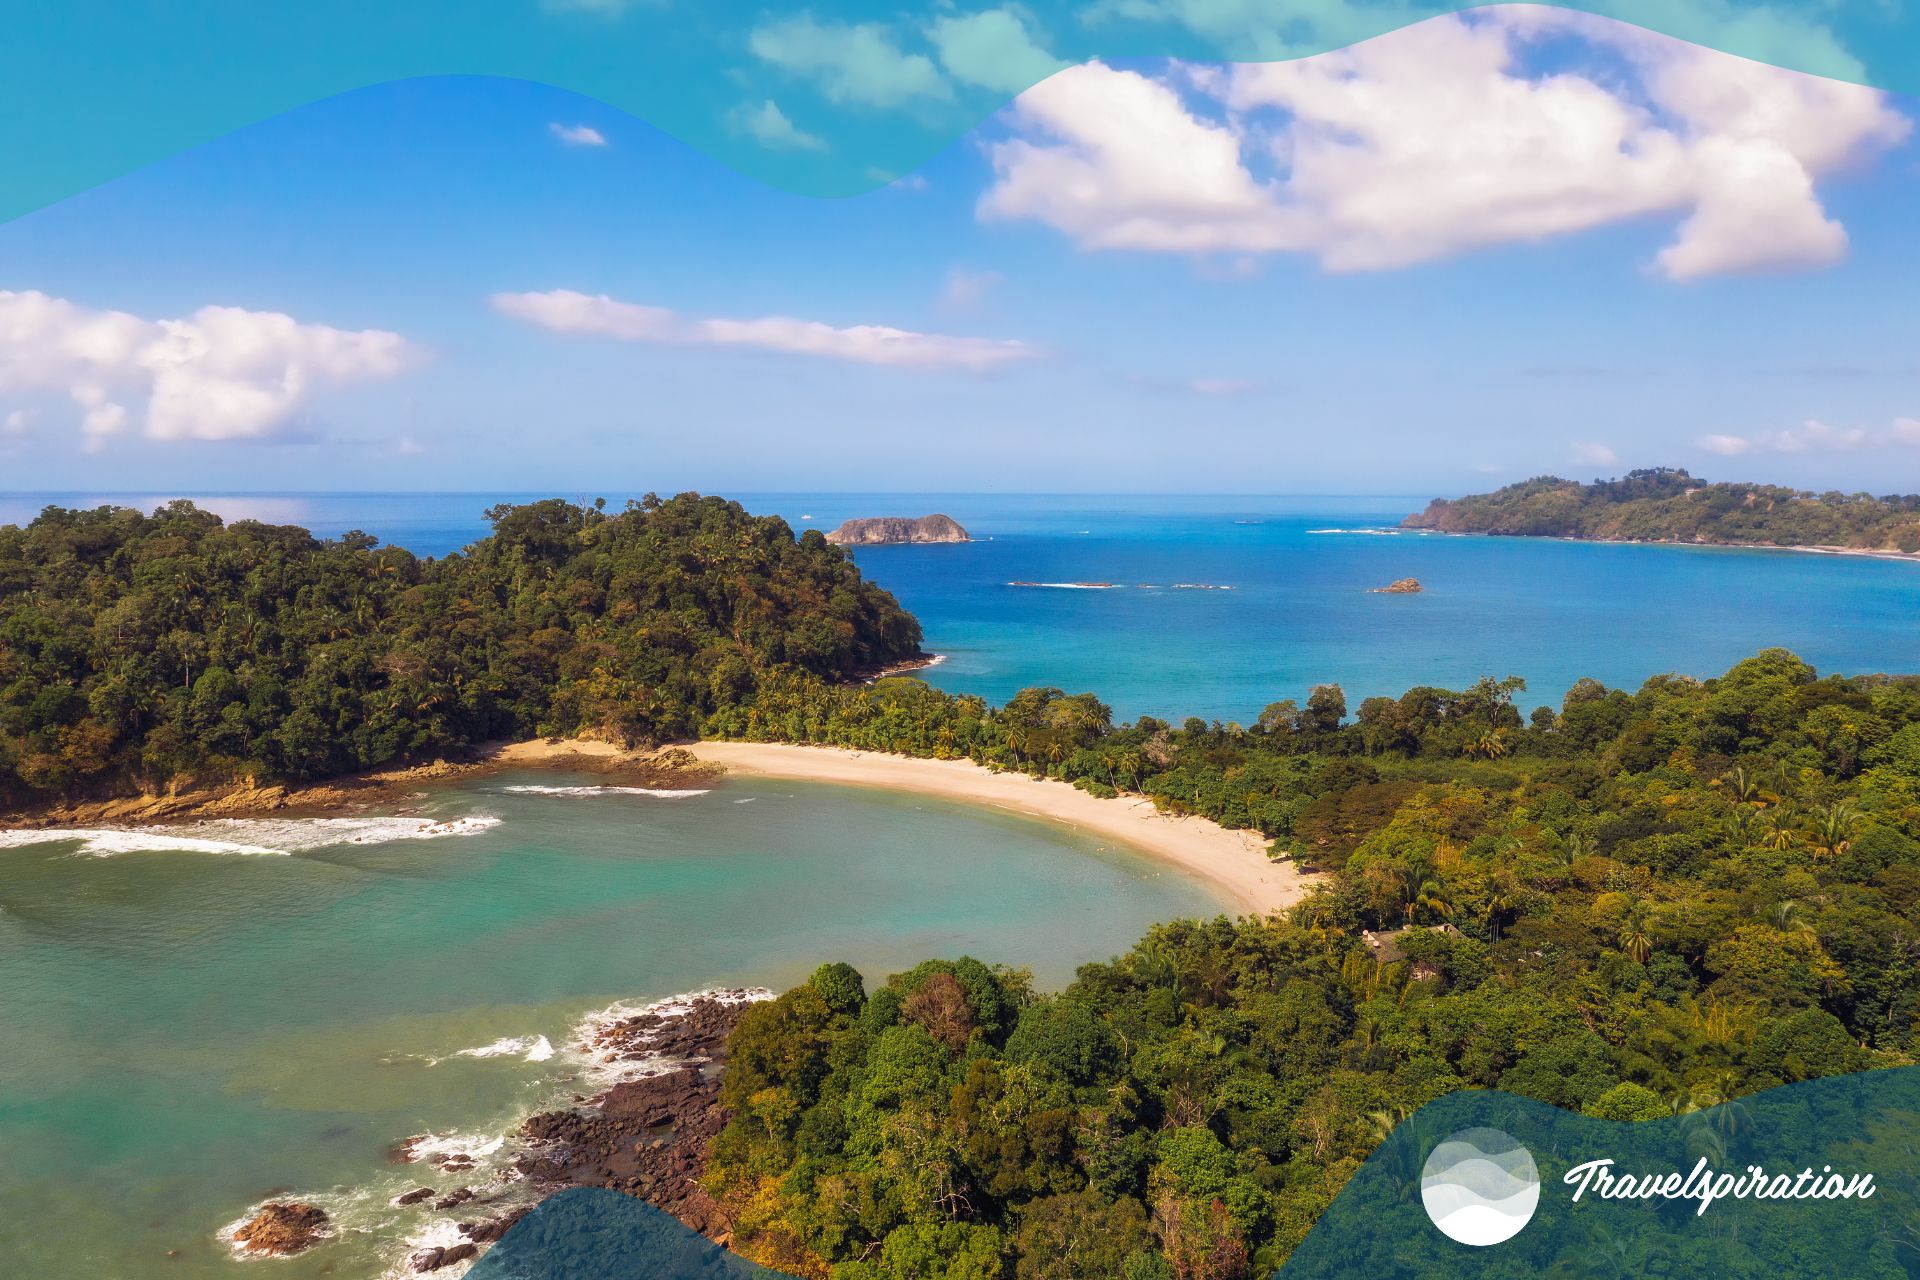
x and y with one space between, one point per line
1666 504
880 531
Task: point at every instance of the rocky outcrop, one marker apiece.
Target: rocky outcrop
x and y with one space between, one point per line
648 1137
1402 587
880 531
282 1228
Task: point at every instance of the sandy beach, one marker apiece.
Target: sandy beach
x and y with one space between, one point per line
1235 862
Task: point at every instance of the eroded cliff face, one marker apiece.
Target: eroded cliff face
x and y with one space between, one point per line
876 531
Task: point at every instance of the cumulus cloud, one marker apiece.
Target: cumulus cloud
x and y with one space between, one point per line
1815 436
564 311
860 63
768 125
578 135
1439 139
1590 454
222 373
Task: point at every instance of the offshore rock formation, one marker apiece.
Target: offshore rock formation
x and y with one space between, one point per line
281 1229
1400 587
880 531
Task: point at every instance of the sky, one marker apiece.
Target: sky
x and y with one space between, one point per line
1479 249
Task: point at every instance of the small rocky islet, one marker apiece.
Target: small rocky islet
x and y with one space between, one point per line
882 531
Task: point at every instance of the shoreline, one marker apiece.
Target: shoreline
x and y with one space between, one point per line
353 793
1234 862
1864 553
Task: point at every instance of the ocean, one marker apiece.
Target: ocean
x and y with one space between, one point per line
1221 605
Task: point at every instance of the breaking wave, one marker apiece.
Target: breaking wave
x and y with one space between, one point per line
249 836
662 793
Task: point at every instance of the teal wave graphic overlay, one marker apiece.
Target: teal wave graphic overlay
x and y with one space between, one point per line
1641 1188
825 99
1646 1218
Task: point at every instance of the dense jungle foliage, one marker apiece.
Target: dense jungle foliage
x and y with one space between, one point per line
1665 504
137 650
1634 905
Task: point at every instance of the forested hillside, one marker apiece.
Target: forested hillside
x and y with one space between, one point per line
1668 505
1632 905
139 649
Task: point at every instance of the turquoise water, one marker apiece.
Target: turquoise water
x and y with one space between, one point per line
188 1032
1300 610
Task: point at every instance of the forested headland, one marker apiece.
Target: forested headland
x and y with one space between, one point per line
138 651
1665 504
1633 905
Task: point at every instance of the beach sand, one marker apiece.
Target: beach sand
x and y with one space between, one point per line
1235 862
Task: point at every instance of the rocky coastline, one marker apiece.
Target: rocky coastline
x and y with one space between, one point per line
645 1136
384 789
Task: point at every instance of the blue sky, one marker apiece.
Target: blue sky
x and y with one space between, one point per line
1079 312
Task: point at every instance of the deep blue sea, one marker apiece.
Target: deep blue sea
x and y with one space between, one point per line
1220 605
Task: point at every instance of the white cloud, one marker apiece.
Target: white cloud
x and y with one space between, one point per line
992 49
18 422
1222 388
859 63
1590 454
966 288
768 125
1815 436
578 135
564 311
222 373
1437 139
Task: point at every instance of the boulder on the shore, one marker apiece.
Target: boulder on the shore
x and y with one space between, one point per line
879 531
434 1259
1401 587
282 1228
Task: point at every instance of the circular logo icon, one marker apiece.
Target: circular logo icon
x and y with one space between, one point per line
1480 1186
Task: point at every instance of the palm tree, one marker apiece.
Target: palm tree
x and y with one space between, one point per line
1635 940
1833 828
1490 745
1430 897
1780 832
1789 915
1499 902
1576 845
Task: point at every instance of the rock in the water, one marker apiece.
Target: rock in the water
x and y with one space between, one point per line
1403 587
282 1228
415 1196
876 531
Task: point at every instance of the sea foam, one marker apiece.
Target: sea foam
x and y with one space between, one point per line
251 836
529 1048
